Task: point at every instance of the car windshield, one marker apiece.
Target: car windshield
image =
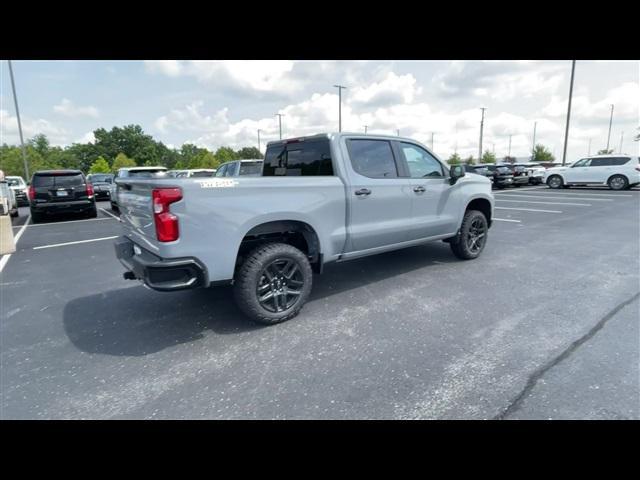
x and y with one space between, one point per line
147 173
251 168
14 182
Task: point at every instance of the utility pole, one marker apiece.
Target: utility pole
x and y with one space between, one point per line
259 141
509 154
340 88
15 101
365 129
455 146
610 121
280 115
533 149
621 137
481 128
398 132
432 141
589 152
493 144
566 131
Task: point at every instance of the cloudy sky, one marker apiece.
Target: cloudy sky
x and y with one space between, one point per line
225 103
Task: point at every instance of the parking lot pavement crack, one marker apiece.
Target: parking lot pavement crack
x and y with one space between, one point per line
540 372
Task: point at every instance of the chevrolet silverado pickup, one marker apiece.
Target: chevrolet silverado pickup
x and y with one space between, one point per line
323 198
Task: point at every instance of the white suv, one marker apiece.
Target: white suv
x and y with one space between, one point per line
616 171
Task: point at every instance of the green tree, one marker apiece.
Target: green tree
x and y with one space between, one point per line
226 154
454 159
249 153
11 162
40 144
122 161
604 151
100 166
542 154
130 140
488 157
469 160
509 159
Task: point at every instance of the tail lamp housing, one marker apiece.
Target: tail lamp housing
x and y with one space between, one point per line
167 229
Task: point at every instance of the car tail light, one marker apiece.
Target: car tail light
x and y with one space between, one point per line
89 190
166 222
32 192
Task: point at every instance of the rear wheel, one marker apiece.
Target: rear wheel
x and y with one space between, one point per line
14 214
555 181
273 283
92 213
36 217
473 236
618 182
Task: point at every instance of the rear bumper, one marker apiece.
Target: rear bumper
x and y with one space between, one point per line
61 207
162 274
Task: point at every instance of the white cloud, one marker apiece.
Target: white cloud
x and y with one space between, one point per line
86 138
9 129
392 90
67 108
257 75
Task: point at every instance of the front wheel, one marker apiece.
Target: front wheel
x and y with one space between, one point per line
473 236
273 283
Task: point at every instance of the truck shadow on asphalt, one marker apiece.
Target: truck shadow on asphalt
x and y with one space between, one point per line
137 321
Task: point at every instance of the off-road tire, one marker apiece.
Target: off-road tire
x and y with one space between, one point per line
250 273
460 246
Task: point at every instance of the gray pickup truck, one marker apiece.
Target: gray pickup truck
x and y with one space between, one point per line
320 199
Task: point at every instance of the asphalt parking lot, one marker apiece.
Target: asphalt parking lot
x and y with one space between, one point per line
545 324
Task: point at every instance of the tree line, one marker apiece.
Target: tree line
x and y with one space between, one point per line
540 154
119 147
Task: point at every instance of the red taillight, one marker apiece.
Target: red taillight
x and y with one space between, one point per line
32 193
166 222
89 190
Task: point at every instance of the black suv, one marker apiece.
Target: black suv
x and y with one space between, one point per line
61 191
101 185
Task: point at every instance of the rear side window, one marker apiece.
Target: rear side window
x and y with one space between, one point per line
372 158
250 168
58 180
305 158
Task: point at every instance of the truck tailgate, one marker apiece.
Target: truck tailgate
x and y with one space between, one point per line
136 211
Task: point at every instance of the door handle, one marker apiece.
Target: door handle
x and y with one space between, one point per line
363 192
419 189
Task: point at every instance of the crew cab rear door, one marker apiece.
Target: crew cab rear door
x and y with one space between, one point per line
379 198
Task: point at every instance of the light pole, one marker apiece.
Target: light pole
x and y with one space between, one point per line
365 129
340 88
509 154
621 137
398 132
566 130
533 149
481 128
589 152
280 115
259 141
15 101
610 121
432 141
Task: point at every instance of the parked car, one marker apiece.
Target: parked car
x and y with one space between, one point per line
8 201
616 171
519 173
60 191
240 168
20 190
500 176
101 185
534 171
320 199
136 172
197 172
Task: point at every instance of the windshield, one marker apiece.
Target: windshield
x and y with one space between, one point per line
251 168
15 182
147 173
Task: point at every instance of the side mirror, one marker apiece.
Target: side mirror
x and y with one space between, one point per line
456 172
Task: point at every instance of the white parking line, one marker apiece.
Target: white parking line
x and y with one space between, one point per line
527 209
5 259
506 220
546 203
590 193
544 195
110 214
74 243
60 223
